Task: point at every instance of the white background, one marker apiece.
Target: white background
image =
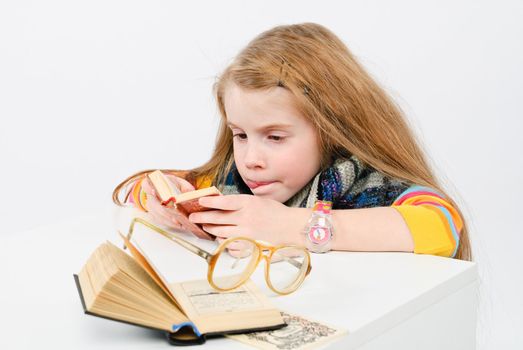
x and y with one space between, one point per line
93 91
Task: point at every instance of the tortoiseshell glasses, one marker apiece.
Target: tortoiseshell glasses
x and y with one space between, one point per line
285 269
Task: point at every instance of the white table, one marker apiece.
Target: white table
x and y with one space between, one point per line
384 300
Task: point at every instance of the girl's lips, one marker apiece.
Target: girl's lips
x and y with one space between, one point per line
253 184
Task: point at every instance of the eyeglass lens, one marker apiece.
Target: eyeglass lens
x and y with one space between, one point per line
287 266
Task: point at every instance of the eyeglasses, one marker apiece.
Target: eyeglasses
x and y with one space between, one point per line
285 269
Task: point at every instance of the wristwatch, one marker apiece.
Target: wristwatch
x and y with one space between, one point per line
318 232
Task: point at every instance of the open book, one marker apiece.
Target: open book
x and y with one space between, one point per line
133 289
185 203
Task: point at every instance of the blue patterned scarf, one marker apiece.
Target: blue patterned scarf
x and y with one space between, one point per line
347 183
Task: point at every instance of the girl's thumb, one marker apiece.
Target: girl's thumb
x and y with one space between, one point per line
184 185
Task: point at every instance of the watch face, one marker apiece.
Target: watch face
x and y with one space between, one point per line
319 234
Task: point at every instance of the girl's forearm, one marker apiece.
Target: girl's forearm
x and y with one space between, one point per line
371 229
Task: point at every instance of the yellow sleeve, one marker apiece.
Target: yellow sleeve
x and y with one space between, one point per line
433 222
203 182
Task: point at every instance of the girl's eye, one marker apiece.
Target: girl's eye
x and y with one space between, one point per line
243 137
240 136
276 137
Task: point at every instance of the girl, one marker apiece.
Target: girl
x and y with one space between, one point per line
303 122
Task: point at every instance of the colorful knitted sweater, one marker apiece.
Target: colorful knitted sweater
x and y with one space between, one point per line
433 222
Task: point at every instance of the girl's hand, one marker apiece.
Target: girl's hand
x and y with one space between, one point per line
160 214
235 249
248 216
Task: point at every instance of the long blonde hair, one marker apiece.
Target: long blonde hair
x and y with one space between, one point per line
351 112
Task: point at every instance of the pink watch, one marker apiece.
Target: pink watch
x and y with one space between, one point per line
318 232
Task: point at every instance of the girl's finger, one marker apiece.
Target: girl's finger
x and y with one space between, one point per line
148 189
162 214
163 219
157 219
182 184
235 249
239 249
229 202
220 239
239 245
224 231
214 217
239 253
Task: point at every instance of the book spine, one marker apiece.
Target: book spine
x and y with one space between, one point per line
177 327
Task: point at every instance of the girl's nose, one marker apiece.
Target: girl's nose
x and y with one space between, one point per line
254 157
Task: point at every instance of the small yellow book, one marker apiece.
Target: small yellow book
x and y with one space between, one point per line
129 288
185 203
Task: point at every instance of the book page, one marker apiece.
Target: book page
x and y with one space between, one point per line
187 196
203 299
142 261
170 260
300 334
124 291
245 308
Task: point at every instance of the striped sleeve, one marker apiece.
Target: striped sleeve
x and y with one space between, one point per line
434 223
137 196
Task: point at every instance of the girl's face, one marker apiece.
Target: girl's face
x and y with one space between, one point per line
276 149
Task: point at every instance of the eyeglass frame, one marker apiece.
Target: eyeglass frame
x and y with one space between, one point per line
212 258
